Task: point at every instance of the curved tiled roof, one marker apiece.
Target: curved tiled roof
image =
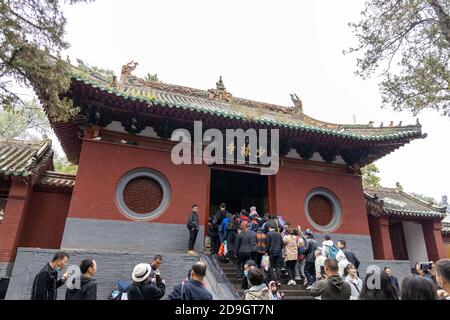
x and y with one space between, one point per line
57 179
154 93
394 202
24 158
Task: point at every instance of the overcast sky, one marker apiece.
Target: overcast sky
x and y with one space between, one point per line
264 50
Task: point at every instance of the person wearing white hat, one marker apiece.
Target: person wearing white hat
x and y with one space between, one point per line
142 289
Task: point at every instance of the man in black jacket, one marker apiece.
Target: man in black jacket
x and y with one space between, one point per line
46 282
243 248
194 288
217 220
193 226
310 247
142 289
88 286
275 245
351 257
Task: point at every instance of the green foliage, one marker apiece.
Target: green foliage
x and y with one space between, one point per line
151 77
24 122
369 176
30 31
61 164
415 35
103 74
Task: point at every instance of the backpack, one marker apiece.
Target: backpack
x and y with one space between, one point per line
332 252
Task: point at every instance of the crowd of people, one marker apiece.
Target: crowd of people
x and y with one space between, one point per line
262 248
147 282
265 246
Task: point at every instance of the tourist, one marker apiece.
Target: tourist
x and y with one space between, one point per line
232 232
243 248
141 288
319 264
261 244
274 243
245 283
327 247
415 287
253 243
393 279
351 257
291 254
342 262
194 288
213 233
224 225
424 270
46 282
218 218
286 227
88 286
385 290
351 276
258 289
443 278
311 246
273 288
155 264
300 265
333 287
193 226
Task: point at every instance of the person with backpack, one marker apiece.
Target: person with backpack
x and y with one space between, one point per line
46 282
329 250
193 226
232 232
88 286
300 265
141 288
194 288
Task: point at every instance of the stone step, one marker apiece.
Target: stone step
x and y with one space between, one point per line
286 292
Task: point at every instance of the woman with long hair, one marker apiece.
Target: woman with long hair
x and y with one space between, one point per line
415 287
378 286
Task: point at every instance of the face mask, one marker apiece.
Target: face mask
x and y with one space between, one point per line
246 274
58 269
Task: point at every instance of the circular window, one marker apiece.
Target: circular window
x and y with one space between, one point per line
322 210
142 194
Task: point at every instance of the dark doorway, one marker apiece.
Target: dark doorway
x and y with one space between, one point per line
238 190
399 249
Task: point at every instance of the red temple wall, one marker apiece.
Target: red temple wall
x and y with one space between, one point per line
102 165
45 219
293 185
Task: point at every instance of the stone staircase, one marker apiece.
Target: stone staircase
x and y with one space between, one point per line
291 292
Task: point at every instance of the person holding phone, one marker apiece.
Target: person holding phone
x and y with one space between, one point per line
46 282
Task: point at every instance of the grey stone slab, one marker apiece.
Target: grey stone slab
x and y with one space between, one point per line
111 267
104 235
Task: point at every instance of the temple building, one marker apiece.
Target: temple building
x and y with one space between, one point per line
128 194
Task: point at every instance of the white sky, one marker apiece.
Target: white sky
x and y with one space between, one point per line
264 50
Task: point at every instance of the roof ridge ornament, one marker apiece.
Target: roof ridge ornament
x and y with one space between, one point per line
220 93
126 71
298 104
